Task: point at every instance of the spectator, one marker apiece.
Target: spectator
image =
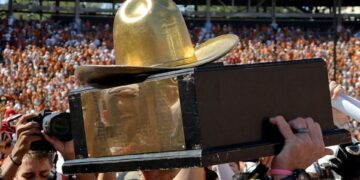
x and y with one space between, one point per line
25 164
35 165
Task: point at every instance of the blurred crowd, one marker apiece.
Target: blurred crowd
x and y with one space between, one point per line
39 57
264 44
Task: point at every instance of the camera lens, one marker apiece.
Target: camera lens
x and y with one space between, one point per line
58 125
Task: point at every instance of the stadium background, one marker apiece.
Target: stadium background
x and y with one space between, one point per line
43 41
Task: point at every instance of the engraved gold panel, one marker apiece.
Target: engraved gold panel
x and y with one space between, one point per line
132 119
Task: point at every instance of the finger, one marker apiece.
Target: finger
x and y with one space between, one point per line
29 125
23 127
25 118
332 86
30 132
300 123
312 127
283 126
28 137
28 140
337 91
317 135
48 138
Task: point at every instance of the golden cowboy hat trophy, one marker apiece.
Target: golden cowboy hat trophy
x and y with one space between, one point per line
151 36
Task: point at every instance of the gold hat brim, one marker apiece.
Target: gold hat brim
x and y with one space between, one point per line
206 52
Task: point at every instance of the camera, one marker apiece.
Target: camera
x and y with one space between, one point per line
56 124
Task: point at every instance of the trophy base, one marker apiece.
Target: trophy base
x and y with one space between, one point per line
187 158
197 116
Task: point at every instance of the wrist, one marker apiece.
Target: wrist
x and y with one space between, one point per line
17 155
283 174
278 164
16 158
280 173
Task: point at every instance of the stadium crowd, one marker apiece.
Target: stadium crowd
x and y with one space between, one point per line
39 58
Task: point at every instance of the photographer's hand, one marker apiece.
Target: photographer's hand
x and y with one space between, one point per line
26 133
65 148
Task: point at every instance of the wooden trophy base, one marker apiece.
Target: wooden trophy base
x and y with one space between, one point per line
223 117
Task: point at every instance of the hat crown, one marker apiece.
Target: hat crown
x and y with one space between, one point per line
151 33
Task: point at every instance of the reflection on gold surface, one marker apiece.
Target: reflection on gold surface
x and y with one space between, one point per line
137 118
151 33
135 11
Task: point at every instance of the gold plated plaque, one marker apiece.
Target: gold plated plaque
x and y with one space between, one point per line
137 118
